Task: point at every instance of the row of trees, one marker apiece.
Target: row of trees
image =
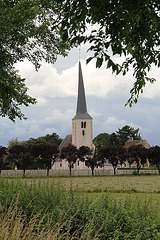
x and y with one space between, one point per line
48 138
115 155
42 152
44 155
30 156
33 153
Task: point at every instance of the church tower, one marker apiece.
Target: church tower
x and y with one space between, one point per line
82 121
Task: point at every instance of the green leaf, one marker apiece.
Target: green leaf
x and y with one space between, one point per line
110 63
99 62
89 59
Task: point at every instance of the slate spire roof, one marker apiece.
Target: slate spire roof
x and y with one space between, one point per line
81 111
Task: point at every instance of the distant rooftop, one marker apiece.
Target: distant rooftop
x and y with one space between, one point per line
137 142
66 142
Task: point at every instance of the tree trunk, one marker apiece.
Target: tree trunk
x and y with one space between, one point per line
47 172
92 171
70 169
114 168
138 168
24 172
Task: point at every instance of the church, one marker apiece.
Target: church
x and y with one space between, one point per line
82 128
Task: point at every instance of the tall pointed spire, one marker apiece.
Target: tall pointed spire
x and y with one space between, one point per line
81 102
81 111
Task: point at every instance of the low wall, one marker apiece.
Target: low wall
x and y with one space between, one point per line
84 172
130 171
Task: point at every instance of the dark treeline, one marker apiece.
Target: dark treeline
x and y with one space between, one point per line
44 155
43 152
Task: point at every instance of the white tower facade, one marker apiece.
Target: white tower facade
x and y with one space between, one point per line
82 123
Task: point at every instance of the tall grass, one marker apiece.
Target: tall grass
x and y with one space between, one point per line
47 211
14 225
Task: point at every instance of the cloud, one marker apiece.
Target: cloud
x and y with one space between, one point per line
57 116
49 130
152 90
93 113
18 131
55 87
41 101
35 129
48 83
114 121
99 82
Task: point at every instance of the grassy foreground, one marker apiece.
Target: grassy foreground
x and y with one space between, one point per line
56 208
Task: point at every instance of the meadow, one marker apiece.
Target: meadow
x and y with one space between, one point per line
99 207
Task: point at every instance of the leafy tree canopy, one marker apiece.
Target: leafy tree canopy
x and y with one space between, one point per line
70 153
83 152
114 154
119 138
124 28
26 31
124 133
95 159
21 156
47 154
42 29
138 154
154 156
13 142
102 139
114 139
48 138
3 162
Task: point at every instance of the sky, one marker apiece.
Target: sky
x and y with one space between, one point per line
55 88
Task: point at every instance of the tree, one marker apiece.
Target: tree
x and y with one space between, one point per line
21 156
138 154
154 157
47 154
125 28
3 162
84 151
43 29
49 138
70 153
30 35
125 133
52 138
122 154
114 154
95 159
92 163
114 139
13 142
119 138
102 139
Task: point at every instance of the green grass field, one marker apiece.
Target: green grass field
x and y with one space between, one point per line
99 207
141 183
112 183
